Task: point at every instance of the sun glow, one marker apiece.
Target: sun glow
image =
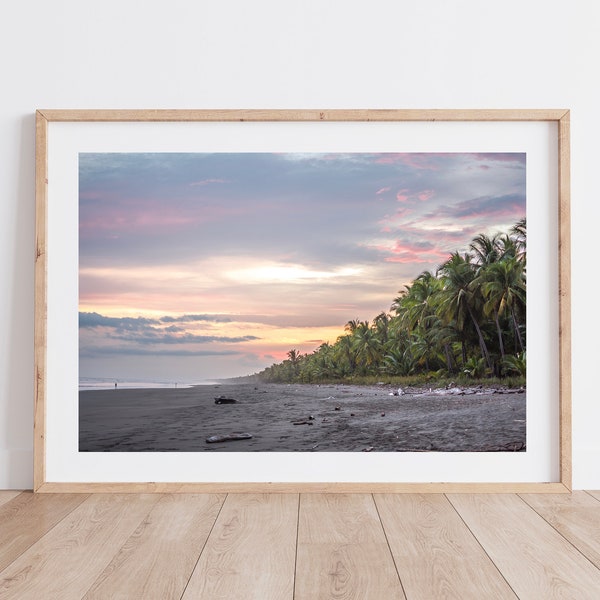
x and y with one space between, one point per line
289 274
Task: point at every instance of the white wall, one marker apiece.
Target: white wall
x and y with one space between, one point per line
283 54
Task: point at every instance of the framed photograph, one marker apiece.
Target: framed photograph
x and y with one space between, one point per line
221 295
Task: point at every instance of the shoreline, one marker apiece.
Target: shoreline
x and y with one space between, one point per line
303 417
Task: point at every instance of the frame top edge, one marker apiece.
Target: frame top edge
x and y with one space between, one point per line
107 115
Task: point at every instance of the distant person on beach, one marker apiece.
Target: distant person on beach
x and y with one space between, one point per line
115 385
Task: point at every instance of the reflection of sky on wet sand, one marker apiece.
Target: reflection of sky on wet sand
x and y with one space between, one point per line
212 265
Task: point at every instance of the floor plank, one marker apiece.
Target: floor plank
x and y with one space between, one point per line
342 550
576 516
157 561
535 559
28 517
7 495
69 558
435 553
250 552
595 494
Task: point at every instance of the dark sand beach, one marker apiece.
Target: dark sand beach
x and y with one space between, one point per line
338 418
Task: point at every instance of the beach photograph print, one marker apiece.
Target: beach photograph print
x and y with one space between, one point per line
302 302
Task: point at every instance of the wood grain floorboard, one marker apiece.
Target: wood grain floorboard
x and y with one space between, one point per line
28 517
7 495
338 546
342 550
250 552
533 557
157 561
434 551
575 516
67 560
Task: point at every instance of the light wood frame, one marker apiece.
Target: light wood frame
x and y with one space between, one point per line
560 116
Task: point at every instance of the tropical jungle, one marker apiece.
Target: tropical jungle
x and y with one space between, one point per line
466 320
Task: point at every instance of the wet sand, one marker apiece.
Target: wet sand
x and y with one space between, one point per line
345 418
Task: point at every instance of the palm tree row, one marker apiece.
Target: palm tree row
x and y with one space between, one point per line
466 318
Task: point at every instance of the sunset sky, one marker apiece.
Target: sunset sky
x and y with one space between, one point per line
200 266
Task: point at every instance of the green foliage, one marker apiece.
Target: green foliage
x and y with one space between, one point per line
466 320
516 365
474 368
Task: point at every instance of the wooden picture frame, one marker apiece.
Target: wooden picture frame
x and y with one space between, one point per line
45 120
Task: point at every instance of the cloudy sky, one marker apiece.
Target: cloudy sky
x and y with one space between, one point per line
199 266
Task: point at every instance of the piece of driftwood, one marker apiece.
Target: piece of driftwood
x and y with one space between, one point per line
229 437
223 400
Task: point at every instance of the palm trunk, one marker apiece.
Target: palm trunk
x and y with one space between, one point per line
517 332
499 335
484 350
448 358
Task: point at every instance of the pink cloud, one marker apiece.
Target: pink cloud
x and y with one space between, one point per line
442 238
403 195
403 252
414 160
425 195
406 195
383 190
393 220
152 216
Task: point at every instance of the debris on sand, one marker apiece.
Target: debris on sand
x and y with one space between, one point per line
224 400
213 439
307 421
368 449
479 390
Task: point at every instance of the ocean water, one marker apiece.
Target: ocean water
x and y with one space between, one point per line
91 383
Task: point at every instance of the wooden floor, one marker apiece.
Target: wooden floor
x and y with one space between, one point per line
303 547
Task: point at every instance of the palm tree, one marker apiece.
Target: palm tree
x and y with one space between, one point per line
398 362
459 302
419 299
503 287
381 324
367 345
485 249
519 234
352 326
344 354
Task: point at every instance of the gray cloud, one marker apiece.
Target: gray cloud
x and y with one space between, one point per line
93 319
137 335
488 206
195 318
136 351
154 337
